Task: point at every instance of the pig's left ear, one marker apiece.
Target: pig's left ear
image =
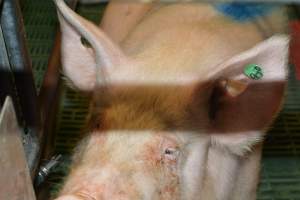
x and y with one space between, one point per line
83 66
248 94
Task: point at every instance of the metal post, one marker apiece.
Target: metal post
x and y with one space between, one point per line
19 65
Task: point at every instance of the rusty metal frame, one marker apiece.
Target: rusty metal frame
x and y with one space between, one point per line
50 92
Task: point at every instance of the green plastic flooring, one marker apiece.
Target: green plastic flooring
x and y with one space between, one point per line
280 178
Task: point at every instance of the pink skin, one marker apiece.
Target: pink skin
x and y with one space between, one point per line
172 115
120 18
156 162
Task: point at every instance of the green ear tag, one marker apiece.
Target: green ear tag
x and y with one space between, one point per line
253 71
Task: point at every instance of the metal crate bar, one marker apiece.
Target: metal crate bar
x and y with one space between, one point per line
19 72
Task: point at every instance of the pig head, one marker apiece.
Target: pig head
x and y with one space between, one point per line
173 114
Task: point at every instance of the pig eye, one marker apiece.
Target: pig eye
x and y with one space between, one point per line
171 153
168 151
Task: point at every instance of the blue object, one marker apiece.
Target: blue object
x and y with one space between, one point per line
244 11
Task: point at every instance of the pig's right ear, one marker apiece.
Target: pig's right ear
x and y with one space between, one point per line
86 67
248 94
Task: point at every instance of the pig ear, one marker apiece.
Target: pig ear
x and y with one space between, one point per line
247 98
82 65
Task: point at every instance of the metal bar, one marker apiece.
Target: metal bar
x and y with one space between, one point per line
49 95
15 178
14 36
49 100
20 66
6 78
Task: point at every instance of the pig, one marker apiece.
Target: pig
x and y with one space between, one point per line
174 113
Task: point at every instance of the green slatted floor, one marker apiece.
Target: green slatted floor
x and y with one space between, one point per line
281 157
40 24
